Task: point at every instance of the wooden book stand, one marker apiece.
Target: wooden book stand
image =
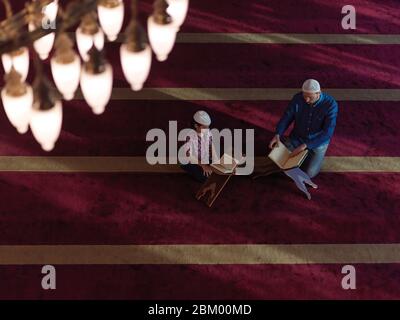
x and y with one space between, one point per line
211 189
216 182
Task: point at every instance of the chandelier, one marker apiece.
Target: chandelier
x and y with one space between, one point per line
40 31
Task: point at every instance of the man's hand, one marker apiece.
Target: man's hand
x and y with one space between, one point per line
299 149
206 170
274 141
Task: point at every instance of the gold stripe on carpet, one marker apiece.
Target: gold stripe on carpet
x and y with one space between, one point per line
246 94
199 254
285 38
140 165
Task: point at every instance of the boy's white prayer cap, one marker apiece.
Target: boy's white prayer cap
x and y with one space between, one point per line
202 117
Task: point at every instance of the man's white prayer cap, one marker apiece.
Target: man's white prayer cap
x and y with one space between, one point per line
202 117
311 86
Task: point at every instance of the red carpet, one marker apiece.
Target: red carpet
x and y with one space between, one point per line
86 134
160 209
201 282
272 66
286 16
122 209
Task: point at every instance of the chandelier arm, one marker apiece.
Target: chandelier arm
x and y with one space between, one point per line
37 64
135 37
21 18
9 26
45 94
134 10
61 15
160 13
74 12
8 8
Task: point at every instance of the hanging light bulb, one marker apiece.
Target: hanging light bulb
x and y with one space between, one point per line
87 34
66 67
19 59
17 99
178 9
111 17
135 53
136 63
46 117
96 81
51 10
44 44
162 32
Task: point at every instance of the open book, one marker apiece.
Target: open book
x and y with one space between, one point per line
226 164
281 156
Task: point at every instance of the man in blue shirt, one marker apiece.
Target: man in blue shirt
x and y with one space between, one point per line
314 115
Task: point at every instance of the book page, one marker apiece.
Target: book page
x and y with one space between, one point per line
279 154
221 168
226 164
295 161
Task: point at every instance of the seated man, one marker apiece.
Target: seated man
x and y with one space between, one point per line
314 115
199 148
